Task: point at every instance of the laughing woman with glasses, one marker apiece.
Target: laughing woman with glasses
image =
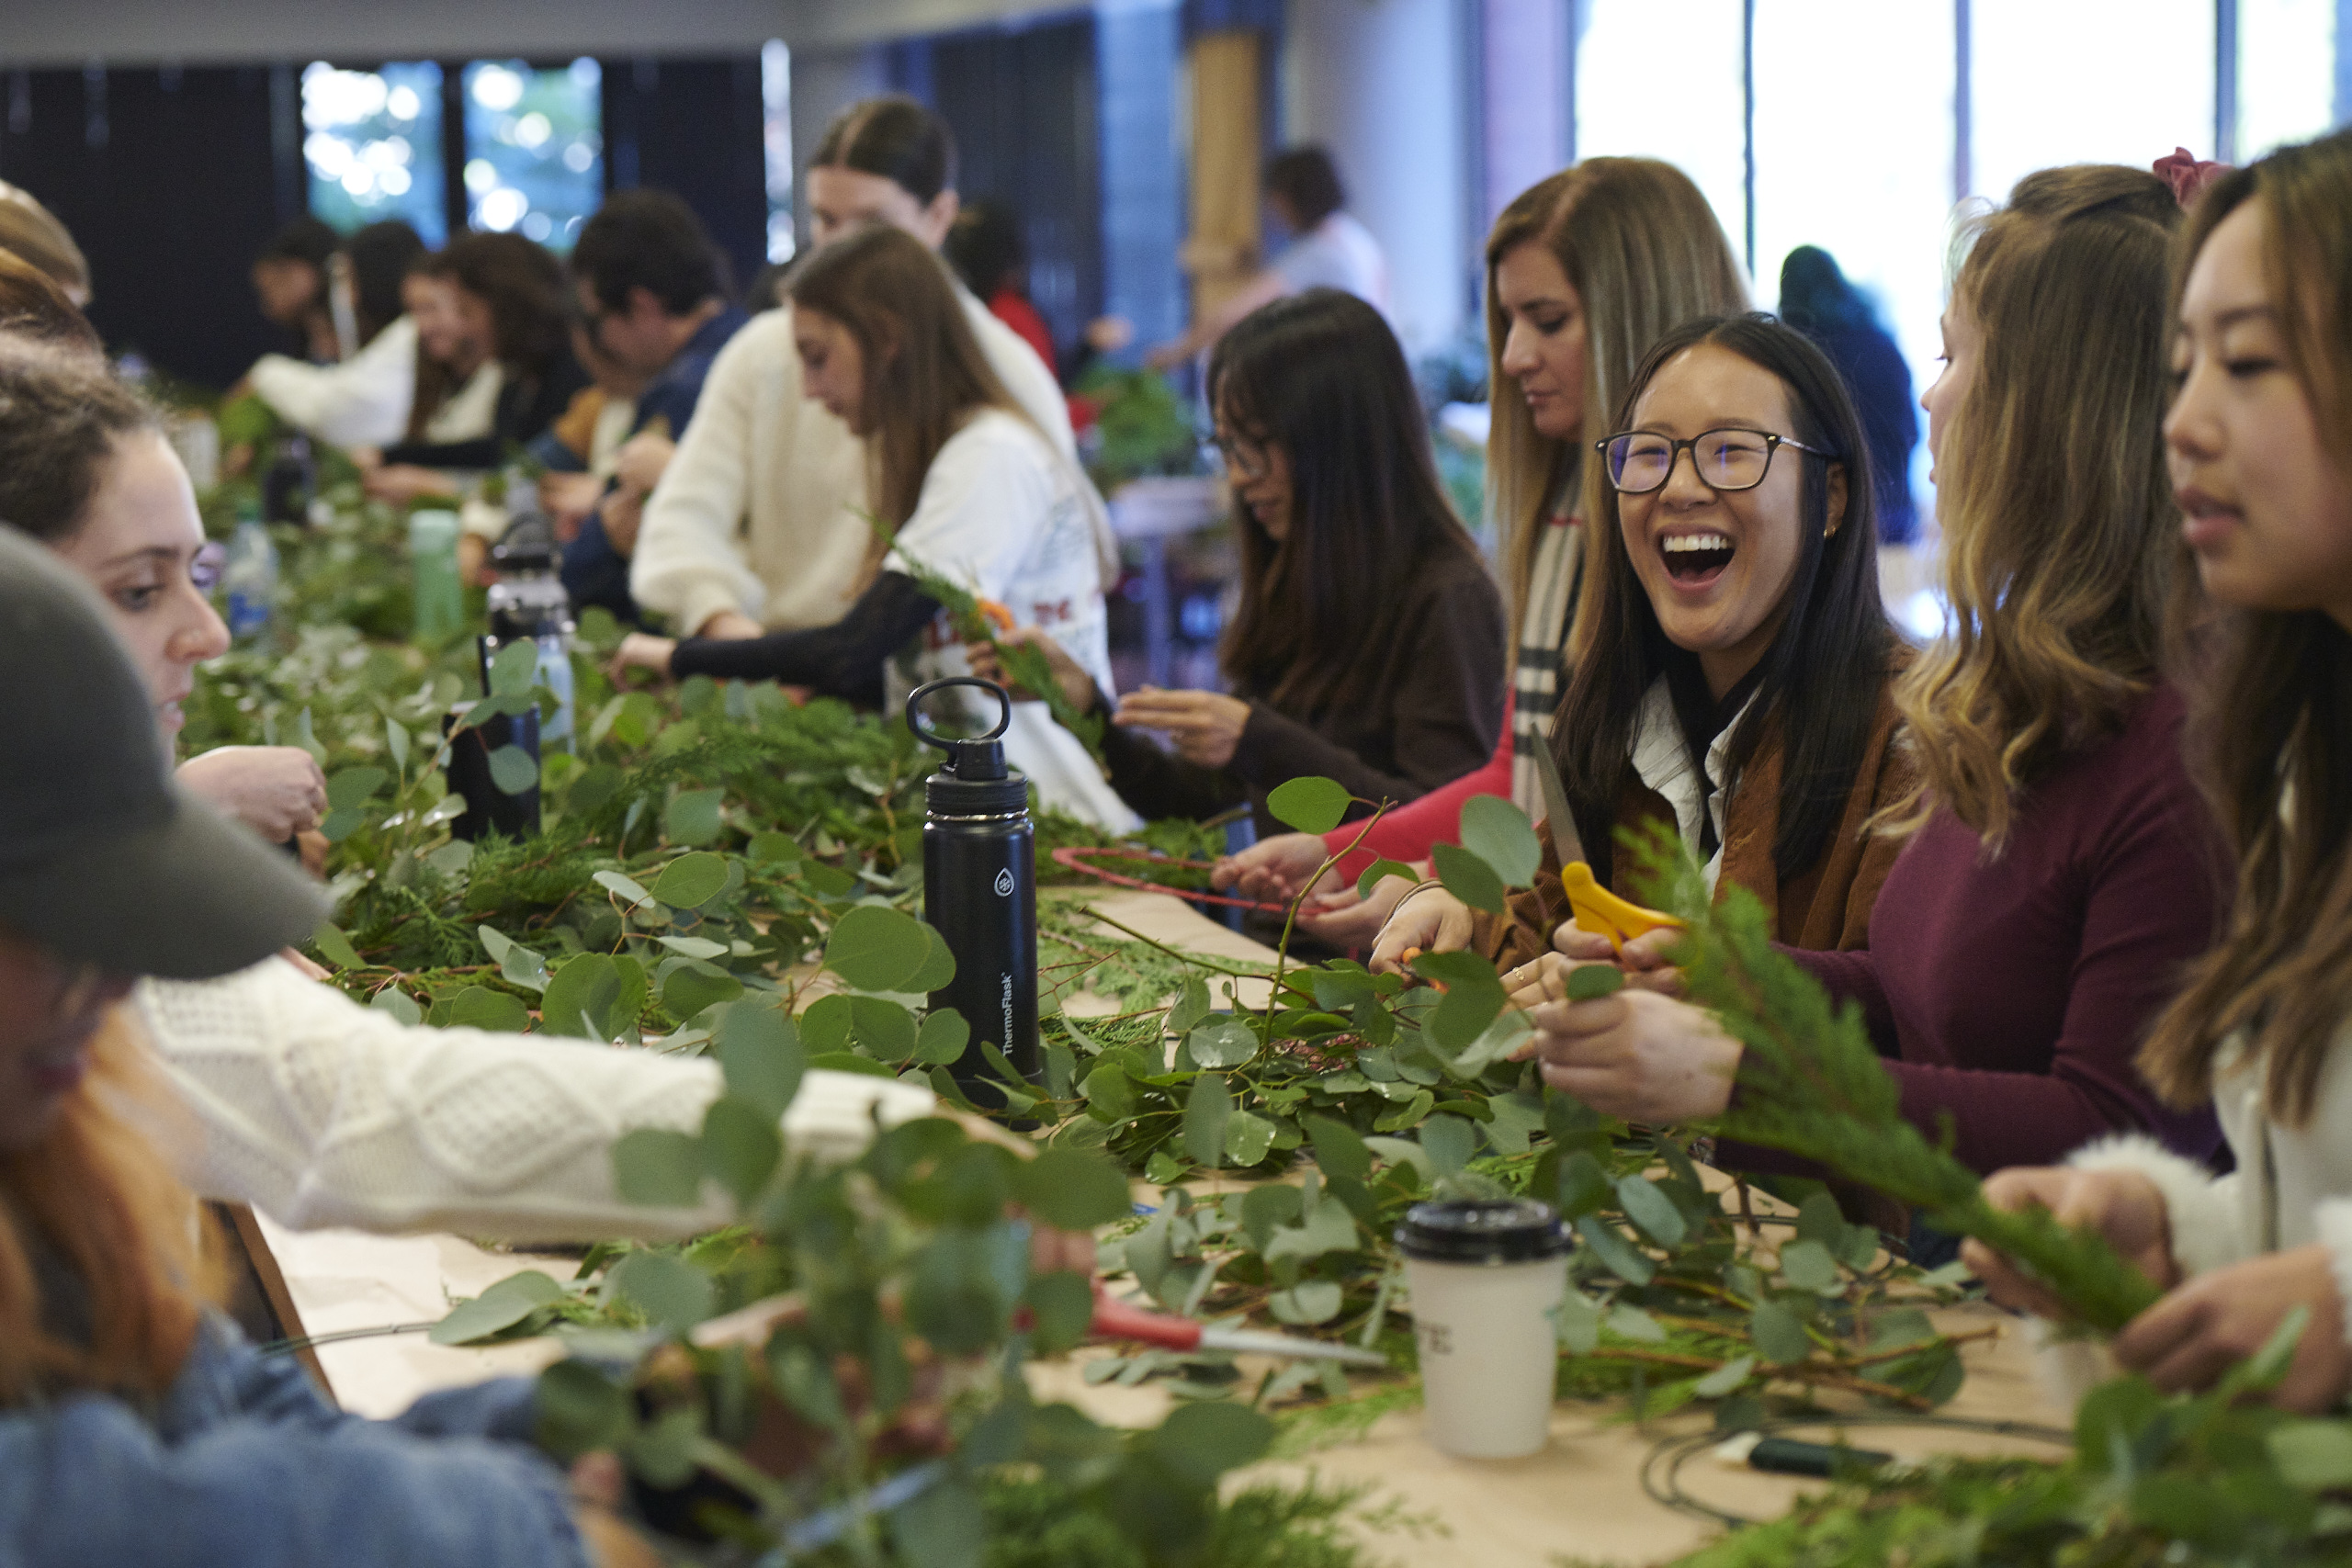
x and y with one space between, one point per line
1737 689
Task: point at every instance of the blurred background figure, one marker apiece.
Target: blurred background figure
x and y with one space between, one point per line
1817 300
1328 249
984 248
290 284
348 395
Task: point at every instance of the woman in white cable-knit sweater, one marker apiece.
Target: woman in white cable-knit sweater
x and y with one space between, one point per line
2260 449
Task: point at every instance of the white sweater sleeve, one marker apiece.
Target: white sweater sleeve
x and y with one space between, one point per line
362 402
319 1112
2208 1229
690 562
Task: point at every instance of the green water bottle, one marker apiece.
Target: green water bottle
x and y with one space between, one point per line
432 555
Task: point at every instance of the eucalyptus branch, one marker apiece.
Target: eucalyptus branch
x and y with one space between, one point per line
1290 916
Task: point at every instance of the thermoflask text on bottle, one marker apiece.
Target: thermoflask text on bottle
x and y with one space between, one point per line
979 883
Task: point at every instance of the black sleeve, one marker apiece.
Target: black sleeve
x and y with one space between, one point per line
844 659
1159 784
484 452
527 406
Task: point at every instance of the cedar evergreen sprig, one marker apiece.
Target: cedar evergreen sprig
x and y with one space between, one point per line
1810 1084
1024 666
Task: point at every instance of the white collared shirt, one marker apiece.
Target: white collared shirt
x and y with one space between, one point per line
1663 763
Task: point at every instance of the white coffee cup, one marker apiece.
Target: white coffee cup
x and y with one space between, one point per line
1487 1276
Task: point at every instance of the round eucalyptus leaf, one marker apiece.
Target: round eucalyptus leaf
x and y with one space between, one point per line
693 817
1310 805
690 881
878 949
1499 834
478 1007
512 771
497 1309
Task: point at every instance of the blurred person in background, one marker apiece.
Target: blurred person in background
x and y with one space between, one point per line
1328 249
289 279
762 520
651 291
494 365
1817 300
359 397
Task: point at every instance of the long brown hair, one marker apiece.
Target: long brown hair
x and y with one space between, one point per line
2270 711
1644 253
925 371
104 1203
530 325
2058 520
1321 376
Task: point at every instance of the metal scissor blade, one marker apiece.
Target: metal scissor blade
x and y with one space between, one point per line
1562 821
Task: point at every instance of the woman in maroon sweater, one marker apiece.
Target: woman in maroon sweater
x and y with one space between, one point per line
2060 873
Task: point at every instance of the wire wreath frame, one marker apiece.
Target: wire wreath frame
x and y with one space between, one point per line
1079 859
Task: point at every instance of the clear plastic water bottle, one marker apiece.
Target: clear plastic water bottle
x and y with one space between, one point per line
250 579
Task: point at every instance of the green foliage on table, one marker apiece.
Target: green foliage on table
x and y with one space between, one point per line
2182 1481
1141 428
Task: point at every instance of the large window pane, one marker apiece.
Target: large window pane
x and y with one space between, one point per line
1854 153
2086 82
1662 79
372 142
2286 55
535 149
776 144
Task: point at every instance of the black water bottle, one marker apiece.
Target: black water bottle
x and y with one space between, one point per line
979 891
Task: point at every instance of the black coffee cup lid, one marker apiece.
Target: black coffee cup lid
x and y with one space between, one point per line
1482 1230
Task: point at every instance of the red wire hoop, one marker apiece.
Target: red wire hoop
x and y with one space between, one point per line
1077 859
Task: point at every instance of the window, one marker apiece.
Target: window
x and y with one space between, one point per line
372 142
775 142
2287 69
535 150
2037 102
1664 79
1856 158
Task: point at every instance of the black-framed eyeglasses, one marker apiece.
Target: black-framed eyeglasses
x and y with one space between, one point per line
1248 459
1731 458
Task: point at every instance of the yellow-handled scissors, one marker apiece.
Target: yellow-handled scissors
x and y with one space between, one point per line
1598 911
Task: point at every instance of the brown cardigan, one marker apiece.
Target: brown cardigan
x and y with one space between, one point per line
1826 907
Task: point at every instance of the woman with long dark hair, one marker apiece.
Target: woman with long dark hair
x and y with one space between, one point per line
494 367
1368 647
363 397
1737 682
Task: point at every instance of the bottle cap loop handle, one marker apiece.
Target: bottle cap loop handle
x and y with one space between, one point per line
978 757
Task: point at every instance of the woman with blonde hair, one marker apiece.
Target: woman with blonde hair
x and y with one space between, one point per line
2057 872
2260 449
965 488
1585 270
